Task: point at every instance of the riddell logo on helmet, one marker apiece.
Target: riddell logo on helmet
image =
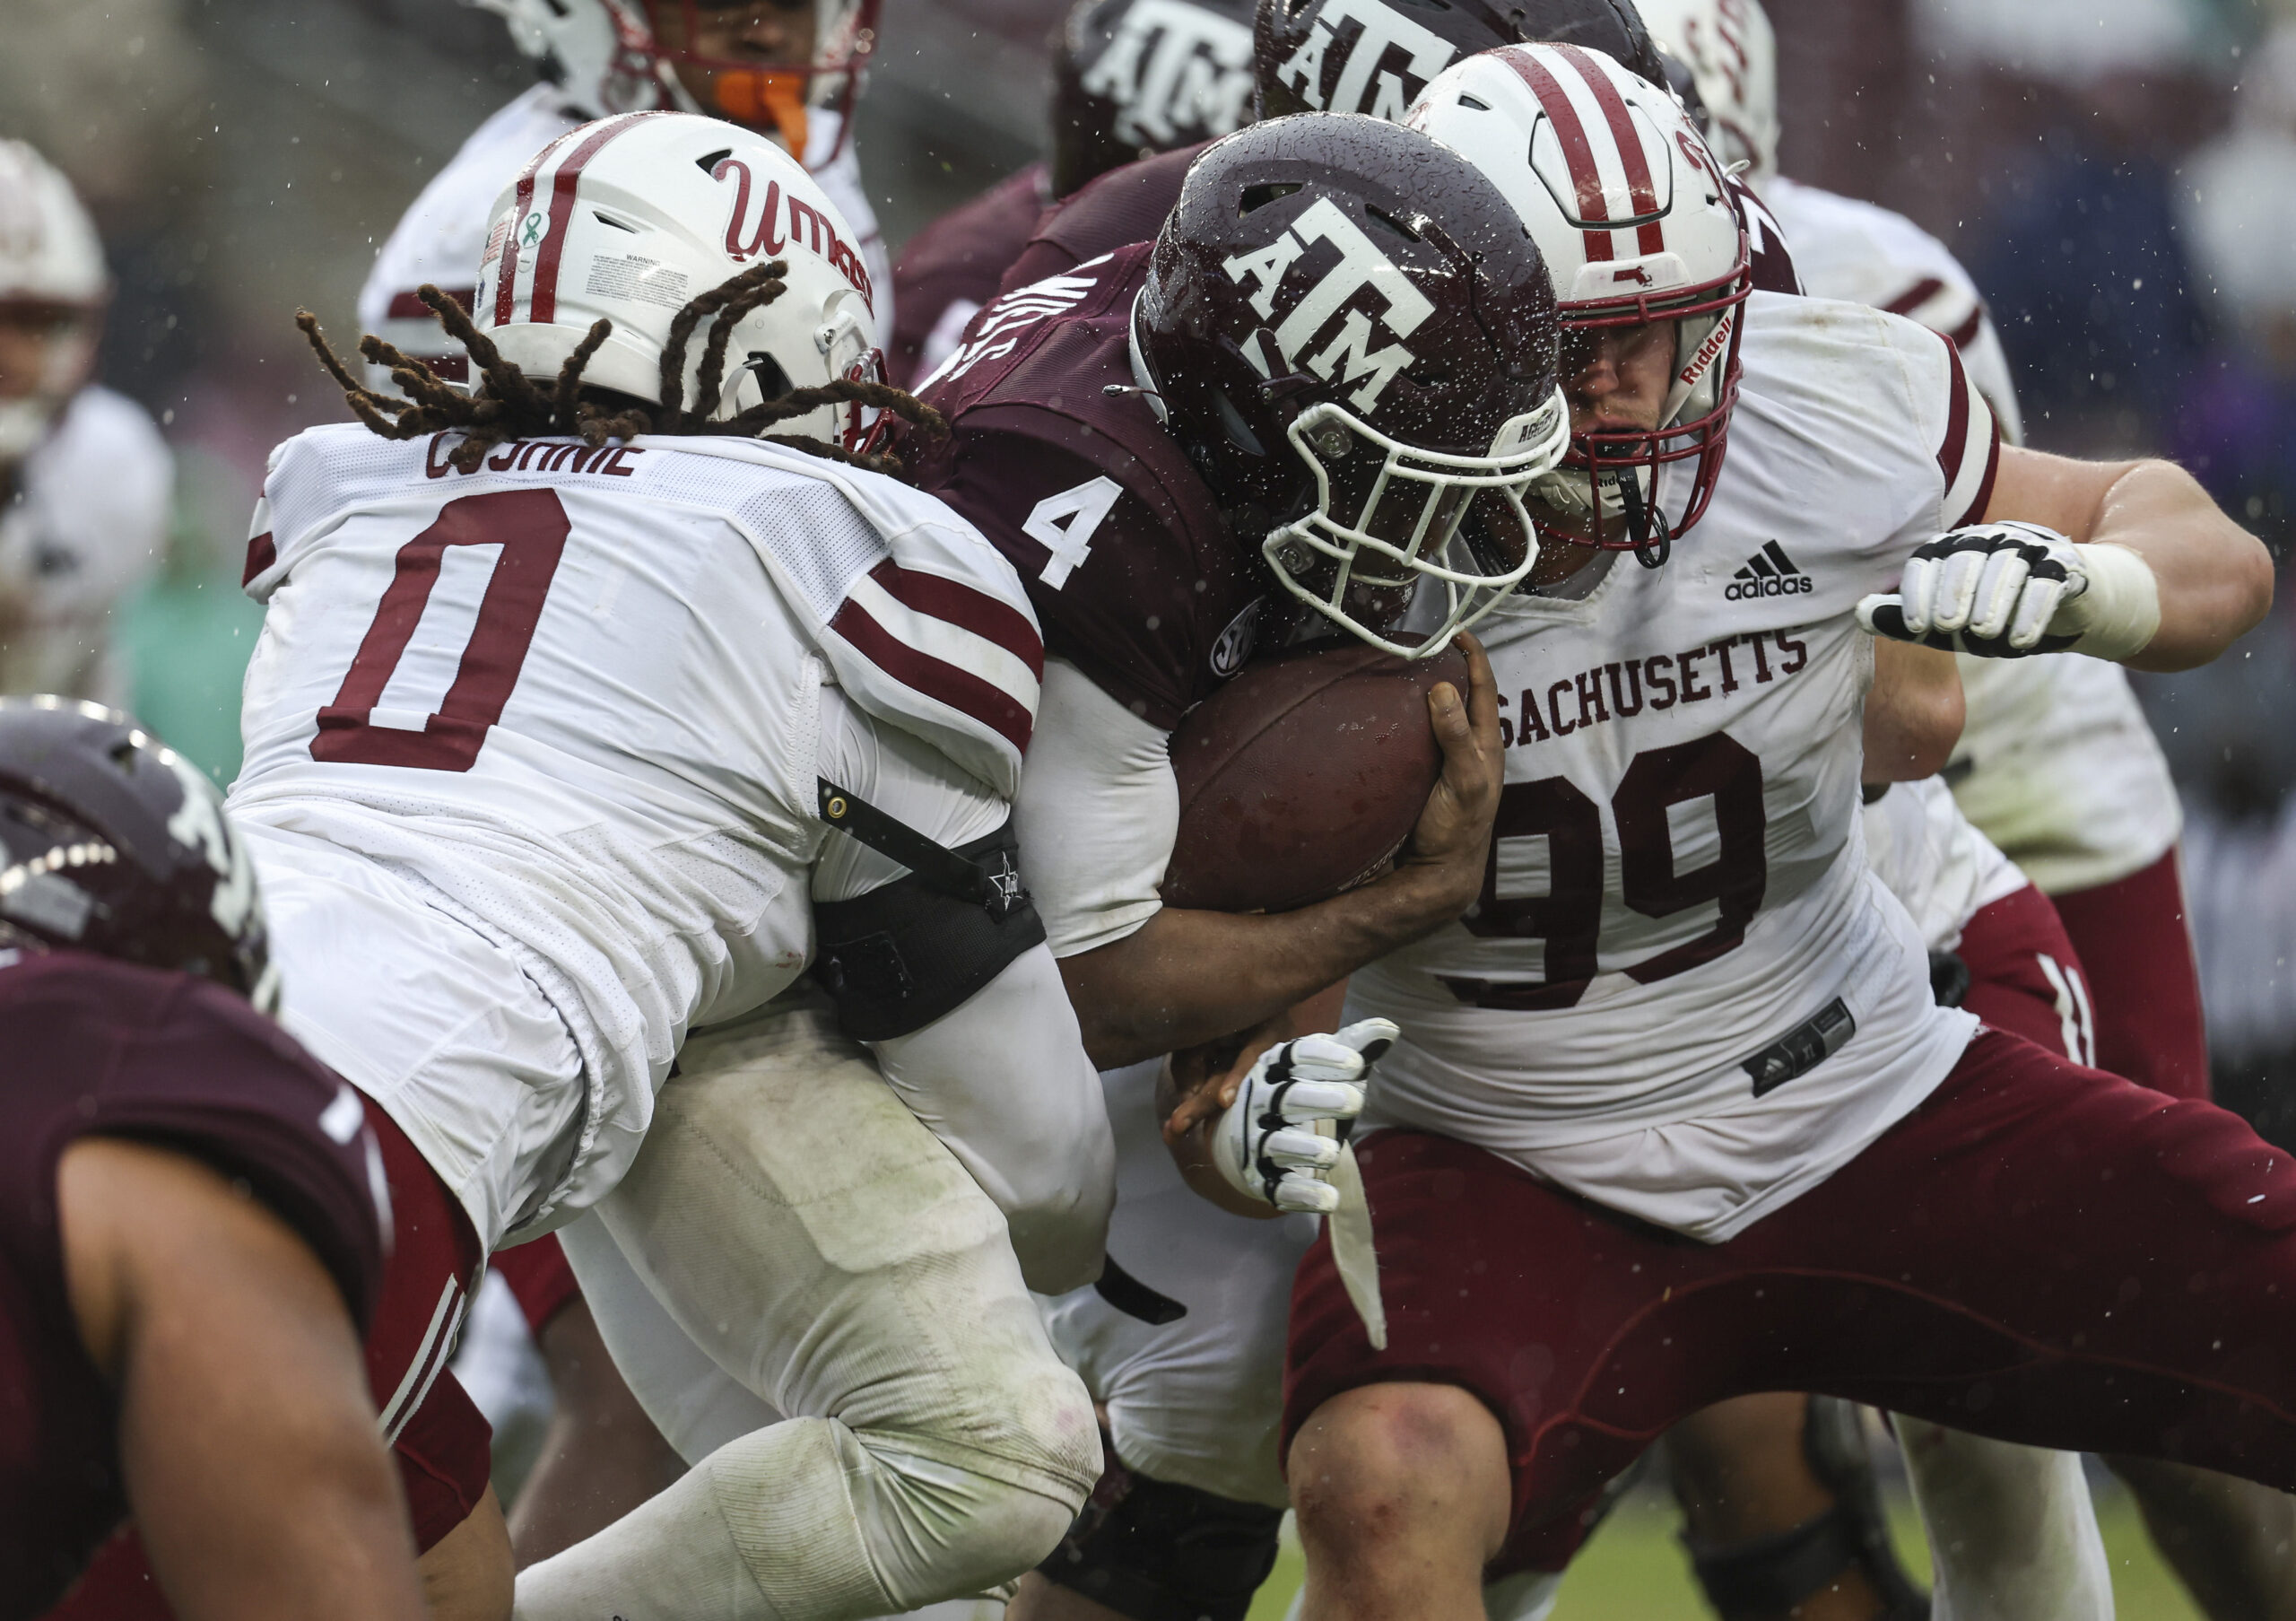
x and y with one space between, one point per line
1348 358
1363 85
769 230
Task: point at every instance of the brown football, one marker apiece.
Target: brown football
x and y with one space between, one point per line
1302 777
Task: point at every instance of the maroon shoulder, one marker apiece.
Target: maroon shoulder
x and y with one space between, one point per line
1773 264
1127 560
1127 204
959 259
96 1046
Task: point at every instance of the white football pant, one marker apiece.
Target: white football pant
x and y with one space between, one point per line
809 1237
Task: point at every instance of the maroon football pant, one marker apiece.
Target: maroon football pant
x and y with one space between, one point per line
441 1440
2026 978
2041 1252
2136 945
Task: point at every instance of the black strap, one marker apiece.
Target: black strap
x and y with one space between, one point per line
940 868
1134 1298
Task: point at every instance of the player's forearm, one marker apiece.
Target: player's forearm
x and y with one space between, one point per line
2215 579
252 1456
1186 978
1914 713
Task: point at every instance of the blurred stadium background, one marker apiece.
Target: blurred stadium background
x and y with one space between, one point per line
2118 174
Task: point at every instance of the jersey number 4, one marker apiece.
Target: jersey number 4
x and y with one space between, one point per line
531 527
1569 918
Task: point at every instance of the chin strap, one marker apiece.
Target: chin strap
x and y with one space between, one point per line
1640 519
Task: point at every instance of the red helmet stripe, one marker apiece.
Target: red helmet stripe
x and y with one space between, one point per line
1578 152
544 307
506 280
1651 237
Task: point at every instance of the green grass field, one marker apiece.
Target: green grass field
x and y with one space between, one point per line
1634 1569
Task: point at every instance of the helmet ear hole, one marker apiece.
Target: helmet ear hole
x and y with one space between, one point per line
1232 420
772 382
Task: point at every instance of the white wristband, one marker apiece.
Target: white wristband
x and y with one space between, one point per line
2119 614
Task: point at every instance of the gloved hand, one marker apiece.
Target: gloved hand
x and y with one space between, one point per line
2007 590
1279 1140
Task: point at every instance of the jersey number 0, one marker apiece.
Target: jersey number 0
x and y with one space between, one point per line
531 527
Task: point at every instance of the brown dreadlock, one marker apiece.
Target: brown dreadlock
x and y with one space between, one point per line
505 405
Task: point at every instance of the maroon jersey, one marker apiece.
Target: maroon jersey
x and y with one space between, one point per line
952 267
1128 205
1129 560
1125 205
96 1046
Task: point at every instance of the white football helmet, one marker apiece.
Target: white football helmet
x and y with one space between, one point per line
608 56
632 217
52 276
1627 206
1730 51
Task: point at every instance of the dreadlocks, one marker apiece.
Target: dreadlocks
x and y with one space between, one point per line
506 405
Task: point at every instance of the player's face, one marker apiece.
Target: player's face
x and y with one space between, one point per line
750 55
43 350
1617 377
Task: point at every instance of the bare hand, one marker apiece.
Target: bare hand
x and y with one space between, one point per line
1199 1083
1449 848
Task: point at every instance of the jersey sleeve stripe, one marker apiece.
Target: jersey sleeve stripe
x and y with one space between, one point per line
1964 335
407 305
1914 297
951 643
262 555
1969 477
967 609
980 700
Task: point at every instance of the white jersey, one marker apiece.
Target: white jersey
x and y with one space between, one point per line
2060 766
569 703
86 525
2056 762
1863 253
1684 992
1934 859
441 237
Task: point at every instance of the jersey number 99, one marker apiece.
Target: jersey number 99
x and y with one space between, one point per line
1569 918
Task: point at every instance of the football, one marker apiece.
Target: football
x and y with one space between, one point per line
1302 777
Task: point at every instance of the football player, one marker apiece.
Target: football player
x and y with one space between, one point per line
190 1231
1137 513
788 69
1130 78
84 479
584 720
2057 764
2056 761
1675 1115
1367 57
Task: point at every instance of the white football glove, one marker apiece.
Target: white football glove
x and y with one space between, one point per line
2006 590
1280 1139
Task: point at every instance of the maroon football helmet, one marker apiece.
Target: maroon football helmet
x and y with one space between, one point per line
1132 78
1376 56
1353 335
111 843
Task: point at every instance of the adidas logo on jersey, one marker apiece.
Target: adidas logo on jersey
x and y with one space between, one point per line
1769 572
